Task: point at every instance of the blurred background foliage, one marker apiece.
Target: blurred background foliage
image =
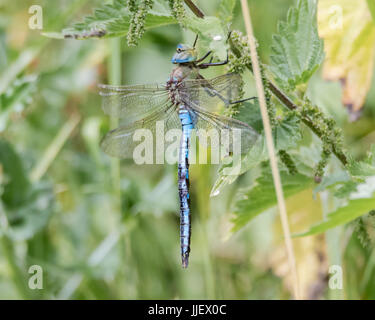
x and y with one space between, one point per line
59 203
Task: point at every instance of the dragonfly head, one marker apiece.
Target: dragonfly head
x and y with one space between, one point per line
184 54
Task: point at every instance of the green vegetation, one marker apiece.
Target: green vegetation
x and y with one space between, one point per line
101 228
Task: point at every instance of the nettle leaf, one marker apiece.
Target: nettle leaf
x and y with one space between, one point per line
357 179
357 185
287 133
226 9
249 112
111 20
365 189
354 209
340 183
346 189
297 48
332 180
260 197
363 168
222 181
212 35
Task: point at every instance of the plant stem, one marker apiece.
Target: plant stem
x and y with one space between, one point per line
115 78
194 9
54 148
271 149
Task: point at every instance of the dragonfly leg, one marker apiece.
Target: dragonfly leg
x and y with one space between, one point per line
204 57
242 100
229 34
213 64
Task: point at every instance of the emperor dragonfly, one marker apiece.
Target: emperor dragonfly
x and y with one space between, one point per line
186 101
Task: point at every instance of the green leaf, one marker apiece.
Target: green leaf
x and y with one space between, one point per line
226 9
297 48
212 35
346 189
341 184
262 196
27 207
15 184
354 209
363 168
111 20
287 133
249 112
333 179
222 181
358 177
33 215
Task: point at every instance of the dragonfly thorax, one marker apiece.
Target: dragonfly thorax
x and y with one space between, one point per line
183 72
176 81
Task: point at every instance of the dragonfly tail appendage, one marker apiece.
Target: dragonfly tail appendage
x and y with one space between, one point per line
185 260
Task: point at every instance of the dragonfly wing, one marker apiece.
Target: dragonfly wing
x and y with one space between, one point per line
133 103
210 94
122 141
234 135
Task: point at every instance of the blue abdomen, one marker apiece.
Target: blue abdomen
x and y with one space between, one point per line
183 184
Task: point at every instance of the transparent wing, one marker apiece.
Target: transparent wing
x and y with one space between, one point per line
234 135
121 142
210 94
133 103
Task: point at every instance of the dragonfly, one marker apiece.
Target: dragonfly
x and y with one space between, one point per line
185 102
